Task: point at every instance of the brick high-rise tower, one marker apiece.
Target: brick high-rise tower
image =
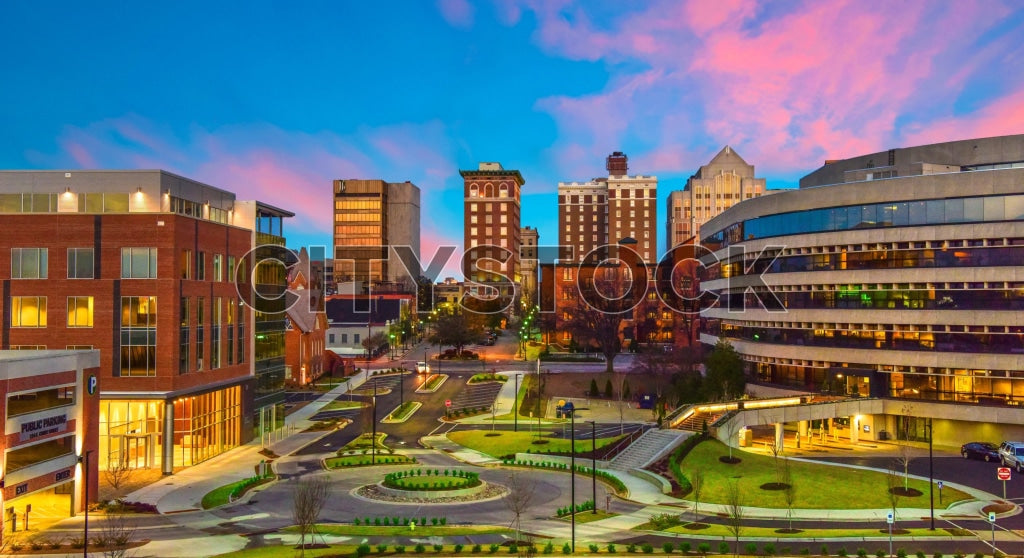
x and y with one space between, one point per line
491 224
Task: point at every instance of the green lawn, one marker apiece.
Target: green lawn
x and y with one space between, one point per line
488 377
404 411
714 530
432 483
428 531
498 444
434 381
588 516
222 495
341 405
362 460
364 441
817 486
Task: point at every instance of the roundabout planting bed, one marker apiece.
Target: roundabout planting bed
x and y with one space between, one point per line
432 480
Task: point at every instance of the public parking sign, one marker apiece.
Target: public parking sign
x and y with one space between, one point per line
889 518
1003 473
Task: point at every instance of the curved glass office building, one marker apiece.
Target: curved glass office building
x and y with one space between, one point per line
897 275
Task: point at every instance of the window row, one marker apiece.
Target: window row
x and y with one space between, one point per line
870 216
853 298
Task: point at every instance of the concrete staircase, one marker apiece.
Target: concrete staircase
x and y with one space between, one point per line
647 448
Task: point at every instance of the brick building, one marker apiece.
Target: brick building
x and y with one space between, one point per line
491 227
142 265
50 408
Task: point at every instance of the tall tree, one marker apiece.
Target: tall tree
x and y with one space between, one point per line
308 499
454 329
724 377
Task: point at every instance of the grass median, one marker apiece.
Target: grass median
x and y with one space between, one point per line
817 486
501 443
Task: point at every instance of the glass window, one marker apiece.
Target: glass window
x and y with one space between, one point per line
1014 208
115 203
201 266
186 264
28 263
24 403
138 263
37 453
138 336
900 214
80 263
28 311
80 311
218 267
974 209
955 211
994 208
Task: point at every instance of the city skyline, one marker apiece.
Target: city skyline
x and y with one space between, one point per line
278 104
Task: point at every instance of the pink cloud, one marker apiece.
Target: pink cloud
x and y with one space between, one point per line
787 88
289 169
458 13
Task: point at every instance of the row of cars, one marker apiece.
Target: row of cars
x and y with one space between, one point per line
1009 454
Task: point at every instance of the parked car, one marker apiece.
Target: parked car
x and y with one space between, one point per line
980 450
1011 454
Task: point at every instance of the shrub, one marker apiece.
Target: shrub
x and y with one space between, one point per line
862 552
362 550
594 548
769 549
824 550
476 548
54 543
668 547
920 554
880 553
381 548
611 548
513 549
647 548
77 542
979 555
438 548
723 547
548 548
901 553
704 547
566 549
387 521
457 549
805 551
356 521
444 521
937 555
751 548
376 521
433 521
16 545
493 548
685 547
35 544
419 549
631 548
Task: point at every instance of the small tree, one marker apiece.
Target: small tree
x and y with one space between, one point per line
731 428
117 533
118 472
789 491
308 500
520 497
608 388
697 486
892 479
734 509
593 388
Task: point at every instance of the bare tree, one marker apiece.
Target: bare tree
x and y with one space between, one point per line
731 428
117 533
892 479
775 449
520 497
622 403
904 456
697 486
308 500
118 472
789 492
734 510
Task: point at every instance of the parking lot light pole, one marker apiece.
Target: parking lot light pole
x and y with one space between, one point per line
373 442
515 406
572 484
931 475
593 464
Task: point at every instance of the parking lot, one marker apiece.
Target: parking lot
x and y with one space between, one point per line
474 396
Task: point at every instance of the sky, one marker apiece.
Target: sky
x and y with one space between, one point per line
274 100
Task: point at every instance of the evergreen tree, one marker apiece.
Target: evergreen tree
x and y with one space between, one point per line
593 388
608 388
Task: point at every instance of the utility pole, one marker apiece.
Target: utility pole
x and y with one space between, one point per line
572 467
931 475
373 442
515 406
593 463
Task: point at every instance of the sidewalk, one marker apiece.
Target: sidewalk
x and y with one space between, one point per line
184 490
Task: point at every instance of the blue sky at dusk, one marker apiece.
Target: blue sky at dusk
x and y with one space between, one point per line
275 100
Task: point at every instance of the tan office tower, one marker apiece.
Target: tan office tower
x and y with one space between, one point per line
370 216
491 223
632 208
582 218
717 186
528 265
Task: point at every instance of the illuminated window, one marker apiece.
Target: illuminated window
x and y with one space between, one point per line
218 267
138 336
28 311
79 311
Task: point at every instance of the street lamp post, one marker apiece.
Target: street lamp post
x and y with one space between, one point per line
931 477
572 468
84 460
593 464
373 442
515 406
